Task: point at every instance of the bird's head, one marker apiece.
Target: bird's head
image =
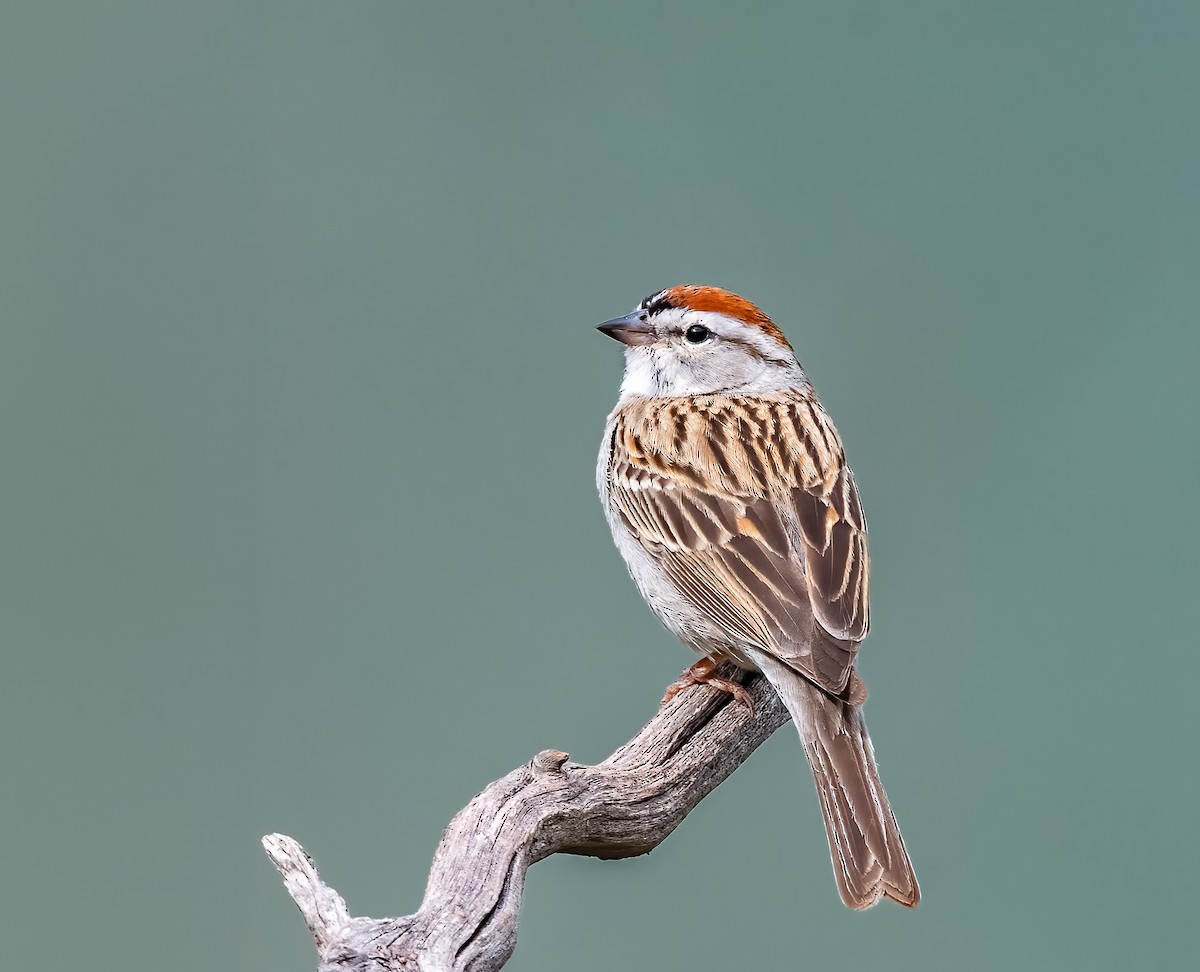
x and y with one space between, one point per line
693 340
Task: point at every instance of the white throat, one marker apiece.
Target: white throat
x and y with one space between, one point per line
657 373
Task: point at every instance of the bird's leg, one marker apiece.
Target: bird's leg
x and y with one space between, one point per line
701 673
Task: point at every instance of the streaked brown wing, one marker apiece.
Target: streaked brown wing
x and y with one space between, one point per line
742 562
835 540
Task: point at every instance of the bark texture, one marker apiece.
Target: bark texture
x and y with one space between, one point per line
622 807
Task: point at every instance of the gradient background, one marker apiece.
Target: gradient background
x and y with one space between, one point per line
300 400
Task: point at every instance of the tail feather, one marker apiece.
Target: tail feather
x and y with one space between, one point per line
869 858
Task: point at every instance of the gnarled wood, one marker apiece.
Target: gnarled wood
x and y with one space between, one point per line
622 807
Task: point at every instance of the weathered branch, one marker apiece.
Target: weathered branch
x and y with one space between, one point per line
623 807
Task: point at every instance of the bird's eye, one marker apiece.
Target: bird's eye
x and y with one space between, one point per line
697 334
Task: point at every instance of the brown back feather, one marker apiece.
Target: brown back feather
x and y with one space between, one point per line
749 507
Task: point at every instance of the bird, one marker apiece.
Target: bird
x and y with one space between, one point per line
726 487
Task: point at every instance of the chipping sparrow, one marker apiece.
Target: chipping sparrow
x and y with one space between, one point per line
728 495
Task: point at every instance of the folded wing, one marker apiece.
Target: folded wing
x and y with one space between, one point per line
750 509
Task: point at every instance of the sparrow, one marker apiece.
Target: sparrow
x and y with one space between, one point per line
728 494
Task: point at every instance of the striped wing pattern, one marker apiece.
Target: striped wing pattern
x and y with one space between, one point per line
748 506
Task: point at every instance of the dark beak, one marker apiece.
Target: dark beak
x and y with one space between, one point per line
632 329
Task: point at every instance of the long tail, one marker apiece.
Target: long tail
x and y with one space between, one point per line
869 859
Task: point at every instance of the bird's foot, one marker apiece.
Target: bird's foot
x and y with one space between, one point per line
701 673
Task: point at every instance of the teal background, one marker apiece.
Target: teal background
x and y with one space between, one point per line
299 404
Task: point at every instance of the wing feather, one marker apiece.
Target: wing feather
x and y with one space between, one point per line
770 545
